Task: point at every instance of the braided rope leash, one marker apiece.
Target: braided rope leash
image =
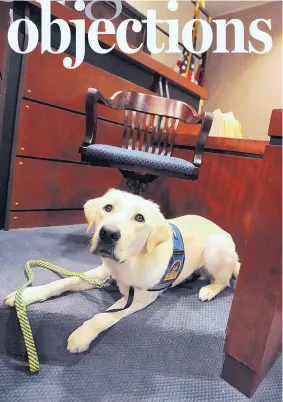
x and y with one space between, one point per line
21 310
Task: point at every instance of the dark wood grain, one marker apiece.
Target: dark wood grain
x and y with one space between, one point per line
103 10
274 341
53 133
239 376
275 126
244 378
41 184
254 331
175 196
228 203
224 192
48 132
34 219
47 80
226 144
143 59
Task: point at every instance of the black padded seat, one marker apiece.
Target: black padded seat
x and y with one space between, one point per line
107 155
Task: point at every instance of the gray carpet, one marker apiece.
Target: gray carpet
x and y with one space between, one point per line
171 351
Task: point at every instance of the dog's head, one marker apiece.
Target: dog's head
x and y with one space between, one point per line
125 225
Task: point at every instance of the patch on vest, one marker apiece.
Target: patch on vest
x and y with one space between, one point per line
173 271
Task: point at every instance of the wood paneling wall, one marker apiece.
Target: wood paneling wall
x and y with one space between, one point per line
51 129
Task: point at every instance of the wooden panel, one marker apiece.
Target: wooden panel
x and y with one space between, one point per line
254 333
40 184
45 218
241 376
54 133
47 80
49 132
175 196
145 61
275 126
261 268
224 193
102 10
274 342
227 144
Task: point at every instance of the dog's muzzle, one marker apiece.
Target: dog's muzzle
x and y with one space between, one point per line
108 238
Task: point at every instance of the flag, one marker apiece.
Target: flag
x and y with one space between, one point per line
188 65
181 65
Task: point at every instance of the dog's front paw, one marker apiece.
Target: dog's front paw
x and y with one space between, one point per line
206 293
80 339
30 295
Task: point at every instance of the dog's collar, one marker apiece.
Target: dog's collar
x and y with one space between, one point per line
176 262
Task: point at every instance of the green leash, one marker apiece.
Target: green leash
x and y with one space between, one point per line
21 310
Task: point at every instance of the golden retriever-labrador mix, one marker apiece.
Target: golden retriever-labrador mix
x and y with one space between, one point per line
135 244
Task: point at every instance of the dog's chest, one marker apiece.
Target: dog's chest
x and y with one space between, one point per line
135 274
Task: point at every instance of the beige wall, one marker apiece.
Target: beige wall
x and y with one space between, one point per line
249 85
184 13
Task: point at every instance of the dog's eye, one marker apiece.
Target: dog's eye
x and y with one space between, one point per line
139 218
108 208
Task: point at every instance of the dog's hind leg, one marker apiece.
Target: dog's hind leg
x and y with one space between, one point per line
221 263
237 270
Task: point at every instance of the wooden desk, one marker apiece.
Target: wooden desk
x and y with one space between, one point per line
254 330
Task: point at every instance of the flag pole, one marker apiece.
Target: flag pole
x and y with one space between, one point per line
204 62
194 36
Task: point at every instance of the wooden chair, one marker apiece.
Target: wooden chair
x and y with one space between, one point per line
148 138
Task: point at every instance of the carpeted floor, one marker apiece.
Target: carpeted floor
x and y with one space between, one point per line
172 351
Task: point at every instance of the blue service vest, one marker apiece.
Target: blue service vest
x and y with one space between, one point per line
176 262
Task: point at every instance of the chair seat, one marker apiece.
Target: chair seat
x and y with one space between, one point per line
127 159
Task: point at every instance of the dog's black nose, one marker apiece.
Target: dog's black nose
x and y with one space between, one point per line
109 234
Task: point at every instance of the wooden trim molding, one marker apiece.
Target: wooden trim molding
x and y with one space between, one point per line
218 143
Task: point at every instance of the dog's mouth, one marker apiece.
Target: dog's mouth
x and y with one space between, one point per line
106 252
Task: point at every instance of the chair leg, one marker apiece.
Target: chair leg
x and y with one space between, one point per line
137 186
138 183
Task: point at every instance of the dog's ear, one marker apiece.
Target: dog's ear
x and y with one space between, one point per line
90 211
159 235
92 206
